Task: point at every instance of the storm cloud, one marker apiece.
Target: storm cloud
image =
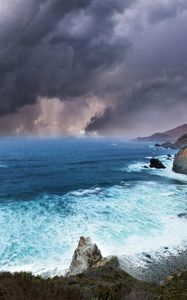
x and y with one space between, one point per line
56 49
129 56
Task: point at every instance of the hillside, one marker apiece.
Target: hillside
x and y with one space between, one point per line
105 283
169 135
182 141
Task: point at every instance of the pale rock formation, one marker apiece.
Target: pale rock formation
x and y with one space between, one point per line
86 256
180 161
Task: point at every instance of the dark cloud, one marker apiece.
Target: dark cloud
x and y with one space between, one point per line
151 91
150 100
50 118
161 10
57 50
129 55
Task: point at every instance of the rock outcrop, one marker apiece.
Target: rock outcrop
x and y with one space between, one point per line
180 161
156 163
169 135
167 145
182 141
182 215
86 256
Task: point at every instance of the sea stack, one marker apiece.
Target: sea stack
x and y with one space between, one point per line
180 161
156 163
86 256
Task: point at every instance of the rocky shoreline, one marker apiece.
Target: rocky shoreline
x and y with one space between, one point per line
157 266
92 277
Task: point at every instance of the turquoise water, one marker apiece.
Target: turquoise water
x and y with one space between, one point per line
54 191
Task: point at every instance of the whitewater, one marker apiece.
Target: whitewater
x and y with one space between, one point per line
52 192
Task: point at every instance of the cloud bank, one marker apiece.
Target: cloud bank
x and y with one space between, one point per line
129 56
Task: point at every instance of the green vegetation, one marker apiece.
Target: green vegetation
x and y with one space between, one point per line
105 283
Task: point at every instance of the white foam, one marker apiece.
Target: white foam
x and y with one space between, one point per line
136 167
168 172
86 192
41 235
3 166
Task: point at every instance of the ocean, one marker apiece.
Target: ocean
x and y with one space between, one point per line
52 191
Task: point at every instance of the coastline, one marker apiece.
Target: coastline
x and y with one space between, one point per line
156 269
106 282
149 270
162 261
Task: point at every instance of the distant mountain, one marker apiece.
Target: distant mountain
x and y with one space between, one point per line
169 135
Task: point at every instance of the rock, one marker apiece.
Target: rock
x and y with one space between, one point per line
182 215
157 145
169 145
112 261
182 141
147 255
156 163
169 278
180 161
86 256
169 155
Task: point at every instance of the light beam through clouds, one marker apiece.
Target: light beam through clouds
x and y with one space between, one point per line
111 67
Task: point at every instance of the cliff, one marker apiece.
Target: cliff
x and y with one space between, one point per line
169 135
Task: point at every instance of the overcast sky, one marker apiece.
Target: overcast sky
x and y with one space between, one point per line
103 67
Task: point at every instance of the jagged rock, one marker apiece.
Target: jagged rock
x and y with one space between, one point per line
180 161
86 256
156 163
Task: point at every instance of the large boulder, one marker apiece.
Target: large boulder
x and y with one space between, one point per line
86 256
156 163
180 161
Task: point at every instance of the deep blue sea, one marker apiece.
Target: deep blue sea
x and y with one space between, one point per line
52 191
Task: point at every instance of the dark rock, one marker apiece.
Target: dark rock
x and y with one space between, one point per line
180 161
169 135
147 255
169 145
156 163
182 215
157 145
169 155
146 167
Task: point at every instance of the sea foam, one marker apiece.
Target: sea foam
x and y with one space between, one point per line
40 235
